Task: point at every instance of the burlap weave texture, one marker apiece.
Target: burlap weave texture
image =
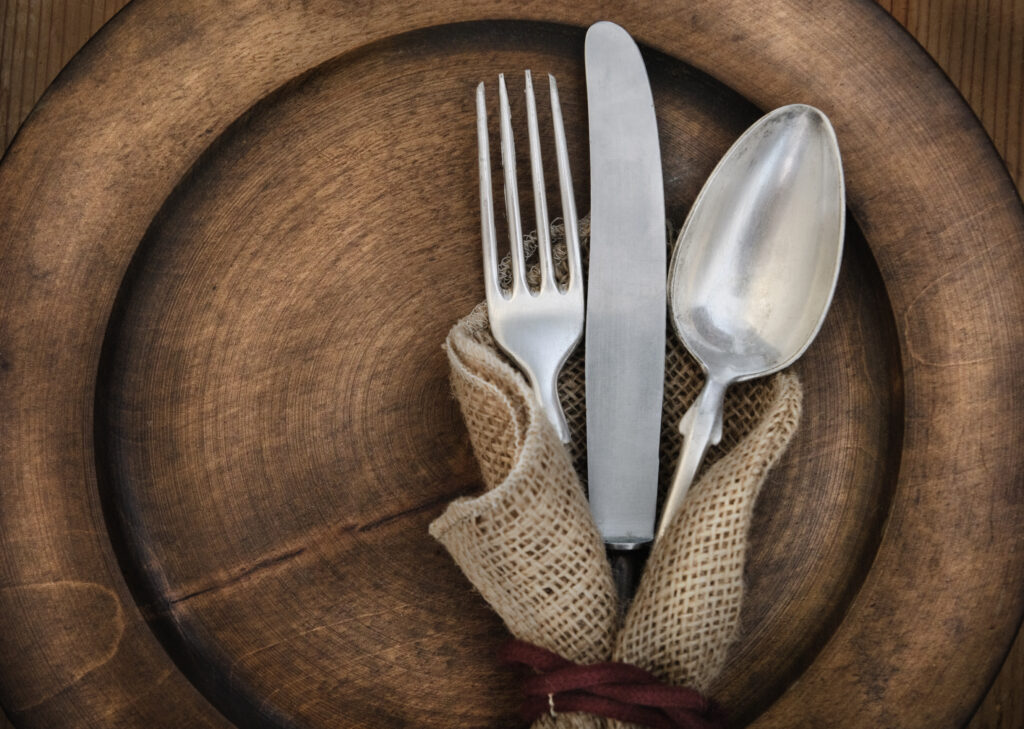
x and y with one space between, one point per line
530 547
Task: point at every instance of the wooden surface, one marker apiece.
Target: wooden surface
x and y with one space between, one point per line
978 43
980 46
205 597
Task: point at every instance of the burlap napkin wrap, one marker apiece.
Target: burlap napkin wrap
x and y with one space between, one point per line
530 547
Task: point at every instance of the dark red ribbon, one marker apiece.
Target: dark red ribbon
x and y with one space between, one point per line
610 689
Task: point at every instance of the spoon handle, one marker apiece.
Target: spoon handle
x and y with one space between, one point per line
701 427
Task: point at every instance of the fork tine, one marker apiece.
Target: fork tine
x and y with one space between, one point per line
488 233
540 202
572 235
508 165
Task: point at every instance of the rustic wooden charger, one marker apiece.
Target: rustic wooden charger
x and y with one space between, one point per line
233 239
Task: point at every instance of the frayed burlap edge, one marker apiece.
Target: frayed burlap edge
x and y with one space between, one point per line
530 548
528 543
686 612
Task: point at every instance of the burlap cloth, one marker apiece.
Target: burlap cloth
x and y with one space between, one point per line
530 547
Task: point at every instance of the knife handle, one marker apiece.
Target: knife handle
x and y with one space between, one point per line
701 427
627 566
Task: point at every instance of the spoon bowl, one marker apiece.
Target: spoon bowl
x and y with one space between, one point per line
755 266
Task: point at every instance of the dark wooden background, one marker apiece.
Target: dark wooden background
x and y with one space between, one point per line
978 43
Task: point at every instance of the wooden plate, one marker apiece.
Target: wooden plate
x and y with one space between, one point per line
233 238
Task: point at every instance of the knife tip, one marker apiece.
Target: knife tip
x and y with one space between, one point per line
605 27
605 32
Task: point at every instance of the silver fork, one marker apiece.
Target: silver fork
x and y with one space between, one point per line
537 329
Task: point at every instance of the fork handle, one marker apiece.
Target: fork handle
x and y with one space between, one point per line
546 390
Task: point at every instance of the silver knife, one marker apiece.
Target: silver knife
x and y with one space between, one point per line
625 334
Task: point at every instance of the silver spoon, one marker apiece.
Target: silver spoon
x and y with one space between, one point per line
755 266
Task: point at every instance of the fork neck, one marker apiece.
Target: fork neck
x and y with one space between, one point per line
547 394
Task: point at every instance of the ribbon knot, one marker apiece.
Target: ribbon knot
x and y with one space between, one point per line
610 689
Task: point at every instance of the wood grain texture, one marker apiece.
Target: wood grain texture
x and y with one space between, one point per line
195 608
37 38
980 45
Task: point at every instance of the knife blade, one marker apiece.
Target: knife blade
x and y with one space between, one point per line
626 314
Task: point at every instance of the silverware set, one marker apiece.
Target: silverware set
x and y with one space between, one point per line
750 281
